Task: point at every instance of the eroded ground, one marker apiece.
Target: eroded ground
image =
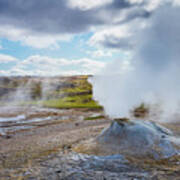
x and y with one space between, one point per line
43 148
36 133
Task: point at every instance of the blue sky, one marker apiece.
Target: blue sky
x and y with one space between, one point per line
74 48
67 37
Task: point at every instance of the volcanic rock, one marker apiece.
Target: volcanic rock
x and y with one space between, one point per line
139 138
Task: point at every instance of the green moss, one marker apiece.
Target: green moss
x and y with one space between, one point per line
94 118
81 101
74 103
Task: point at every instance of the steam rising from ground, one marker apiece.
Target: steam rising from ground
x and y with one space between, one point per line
151 75
28 90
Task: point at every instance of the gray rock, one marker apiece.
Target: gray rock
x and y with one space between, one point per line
83 167
137 138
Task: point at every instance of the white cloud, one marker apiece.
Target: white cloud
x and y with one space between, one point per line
1 47
100 53
6 58
122 33
46 66
4 73
87 4
120 37
39 29
40 25
149 5
32 39
177 2
135 1
153 4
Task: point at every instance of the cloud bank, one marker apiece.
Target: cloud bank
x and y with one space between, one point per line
41 24
113 26
47 66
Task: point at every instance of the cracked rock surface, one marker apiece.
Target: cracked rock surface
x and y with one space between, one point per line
77 166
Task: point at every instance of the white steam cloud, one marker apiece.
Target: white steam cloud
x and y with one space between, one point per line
152 75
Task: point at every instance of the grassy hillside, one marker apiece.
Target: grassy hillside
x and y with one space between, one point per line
57 92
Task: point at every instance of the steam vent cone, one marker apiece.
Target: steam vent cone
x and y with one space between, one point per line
136 138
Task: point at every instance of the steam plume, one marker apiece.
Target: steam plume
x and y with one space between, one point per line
152 75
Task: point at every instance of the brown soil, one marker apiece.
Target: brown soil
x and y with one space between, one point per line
22 149
29 154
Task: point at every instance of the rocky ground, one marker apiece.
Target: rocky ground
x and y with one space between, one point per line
21 149
48 151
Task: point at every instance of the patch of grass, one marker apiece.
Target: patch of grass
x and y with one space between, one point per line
94 118
81 101
75 91
141 111
77 96
81 87
75 102
68 92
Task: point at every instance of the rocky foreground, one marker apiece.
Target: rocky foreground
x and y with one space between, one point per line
55 150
